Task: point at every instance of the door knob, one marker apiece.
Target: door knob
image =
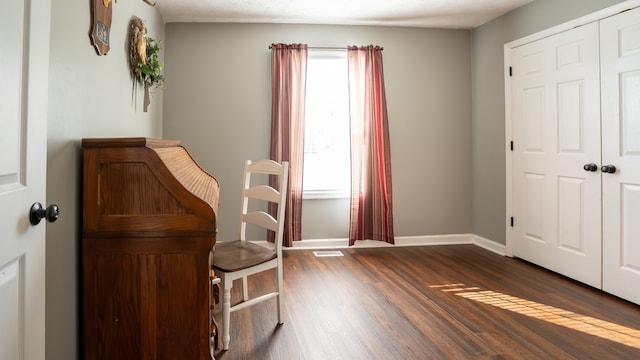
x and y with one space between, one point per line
37 213
590 167
608 169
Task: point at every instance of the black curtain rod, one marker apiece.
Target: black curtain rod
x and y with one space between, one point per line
326 47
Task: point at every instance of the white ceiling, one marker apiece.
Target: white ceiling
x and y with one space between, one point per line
453 14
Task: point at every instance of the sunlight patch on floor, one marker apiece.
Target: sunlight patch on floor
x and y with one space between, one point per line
604 329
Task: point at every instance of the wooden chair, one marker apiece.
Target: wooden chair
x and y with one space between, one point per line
240 258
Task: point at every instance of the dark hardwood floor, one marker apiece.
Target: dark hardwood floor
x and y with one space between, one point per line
435 302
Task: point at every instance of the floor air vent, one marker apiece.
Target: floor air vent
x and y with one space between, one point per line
327 253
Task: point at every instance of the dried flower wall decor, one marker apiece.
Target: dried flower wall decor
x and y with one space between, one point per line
143 59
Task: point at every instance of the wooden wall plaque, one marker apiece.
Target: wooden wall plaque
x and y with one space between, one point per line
100 25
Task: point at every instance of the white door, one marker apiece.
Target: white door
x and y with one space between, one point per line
556 132
24 64
620 54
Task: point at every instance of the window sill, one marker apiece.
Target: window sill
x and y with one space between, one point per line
325 195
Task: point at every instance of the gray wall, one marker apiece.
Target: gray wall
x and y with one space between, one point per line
219 106
218 102
89 96
489 184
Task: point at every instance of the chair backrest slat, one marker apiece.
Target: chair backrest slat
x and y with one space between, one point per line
262 219
264 193
265 167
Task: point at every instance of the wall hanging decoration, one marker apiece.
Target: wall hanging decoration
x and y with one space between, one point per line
144 59
100 25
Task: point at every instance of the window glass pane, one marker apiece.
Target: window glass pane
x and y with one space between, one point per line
326 151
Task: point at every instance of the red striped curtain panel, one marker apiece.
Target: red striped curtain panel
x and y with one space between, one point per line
288 82
371 195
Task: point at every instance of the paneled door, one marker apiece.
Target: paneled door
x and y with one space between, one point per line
24 64
620 68
556 153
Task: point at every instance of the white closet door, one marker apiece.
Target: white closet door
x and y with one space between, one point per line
620 49
556 132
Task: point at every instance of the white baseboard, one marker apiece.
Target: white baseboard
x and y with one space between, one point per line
490 245
451 239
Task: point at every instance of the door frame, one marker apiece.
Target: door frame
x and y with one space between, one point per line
508 125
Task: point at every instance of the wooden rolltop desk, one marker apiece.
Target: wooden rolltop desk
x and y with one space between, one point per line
149 225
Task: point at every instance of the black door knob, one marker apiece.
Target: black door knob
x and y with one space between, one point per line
591 167
37 213
608 169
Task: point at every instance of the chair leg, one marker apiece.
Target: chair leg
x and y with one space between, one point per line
226 313
215 298
280 296
245 289
215 331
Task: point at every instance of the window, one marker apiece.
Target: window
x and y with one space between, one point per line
326 136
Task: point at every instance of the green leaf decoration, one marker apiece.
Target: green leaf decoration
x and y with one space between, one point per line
151 72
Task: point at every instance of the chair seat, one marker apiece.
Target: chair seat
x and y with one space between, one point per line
237 255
